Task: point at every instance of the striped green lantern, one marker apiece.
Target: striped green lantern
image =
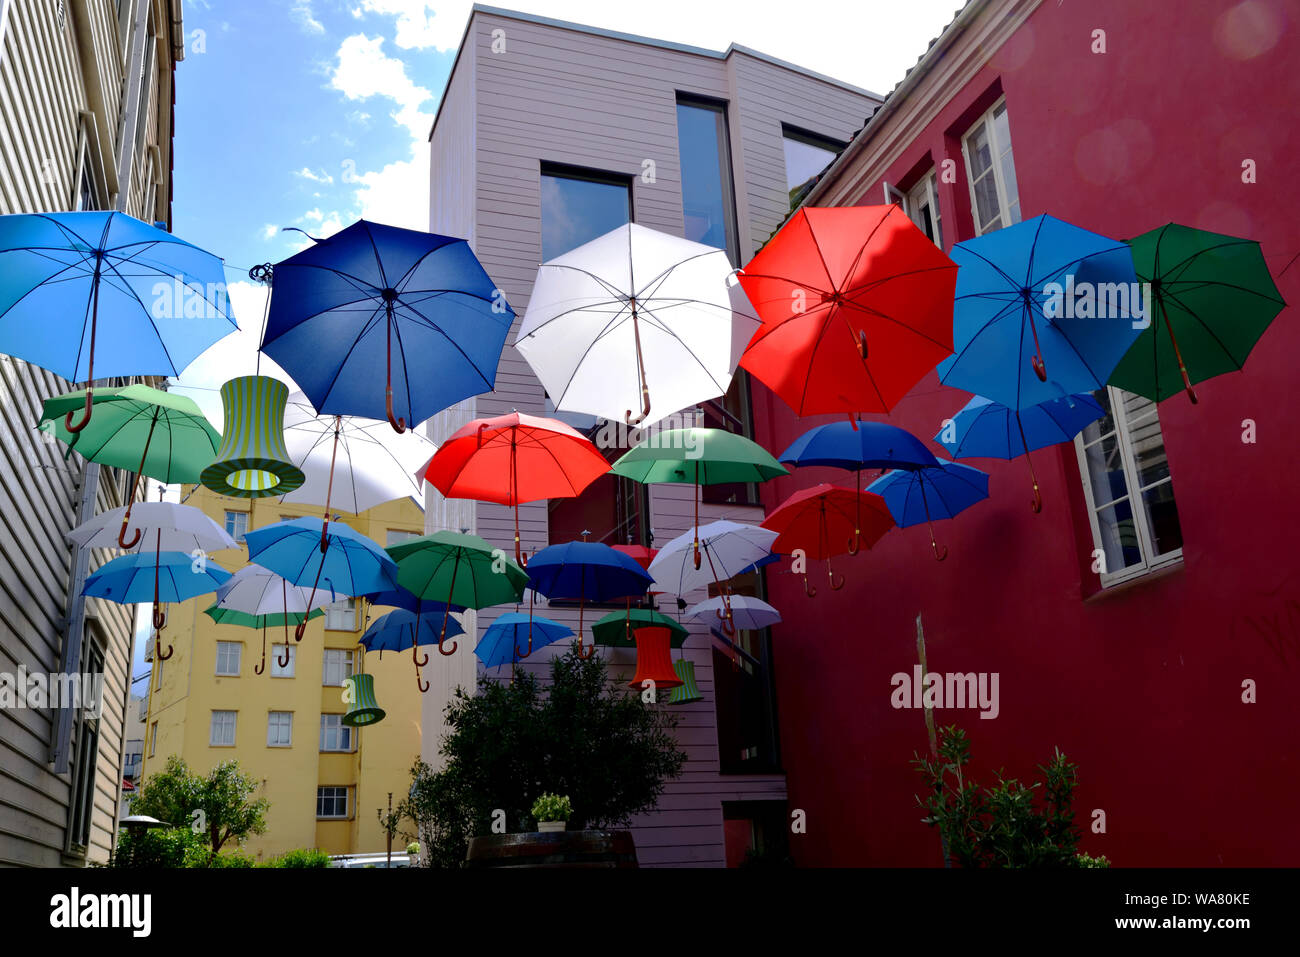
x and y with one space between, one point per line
359 692
687 691
252 461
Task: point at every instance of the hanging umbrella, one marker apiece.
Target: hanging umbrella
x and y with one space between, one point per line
374 300
515 458
154 576
728 547
643 555
500 642
255 597
402 600
1212 298
987 429
101 294
351 564
457 569
401 629
1004 322
583 572
635 325
856 305
824 521
927 494
748 614
856 446
699 456
618 627
151 432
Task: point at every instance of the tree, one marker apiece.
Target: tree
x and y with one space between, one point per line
218 805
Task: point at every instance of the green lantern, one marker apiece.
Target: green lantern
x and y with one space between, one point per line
252 461
359 692
687 691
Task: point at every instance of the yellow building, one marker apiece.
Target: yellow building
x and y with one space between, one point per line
325 781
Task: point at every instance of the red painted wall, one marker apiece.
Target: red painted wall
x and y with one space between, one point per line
1141 686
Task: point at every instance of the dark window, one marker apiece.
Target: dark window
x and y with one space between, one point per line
757 833
86 760
744 697
806 155
579 205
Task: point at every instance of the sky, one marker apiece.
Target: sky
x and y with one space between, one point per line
311 114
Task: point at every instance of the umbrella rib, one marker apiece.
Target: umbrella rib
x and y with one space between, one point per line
1002 313
1213 335
450 339
365 328
158 332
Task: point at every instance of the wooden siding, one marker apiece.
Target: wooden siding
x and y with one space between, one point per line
562 96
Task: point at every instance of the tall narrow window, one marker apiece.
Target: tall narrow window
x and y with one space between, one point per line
338 665
228 655
923 207
87 761
279 729
334 734
995 196
1128 488
708 199
153 738
237 525
806 155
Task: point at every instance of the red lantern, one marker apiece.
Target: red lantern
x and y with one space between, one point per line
654 658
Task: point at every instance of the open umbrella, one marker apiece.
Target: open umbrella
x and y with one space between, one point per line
617 628
515 458
701 457
927 494
856 305
88 294
402 629
500 642
583 572
402 600
824 521
1213 297
374 301
146 430
255 597
747 613
729 548
635 325
987 429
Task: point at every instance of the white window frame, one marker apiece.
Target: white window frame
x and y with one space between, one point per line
927 189
239 538
1004 204
347 663
341 615
153 738
344 731
212 729
239 658
1150 561
272 725
277 652
347 802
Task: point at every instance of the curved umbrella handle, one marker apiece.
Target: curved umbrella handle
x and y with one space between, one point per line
85 421
1037 503
940 551
645 409
420 682
862 346
809 588
831 575
855 543
420 662
587 653
299 631
399 425
728 625
283 661
324 535
159 616
1040 368
157 648
448 651
698 561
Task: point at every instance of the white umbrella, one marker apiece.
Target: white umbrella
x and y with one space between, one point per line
260 592
164 526
729 548
636 320
751 614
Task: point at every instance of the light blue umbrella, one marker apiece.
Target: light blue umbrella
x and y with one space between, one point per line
924 495
514 636
988 429
91 294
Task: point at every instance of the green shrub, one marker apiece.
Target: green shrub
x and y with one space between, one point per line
156 848
1087 860
300 857
552 807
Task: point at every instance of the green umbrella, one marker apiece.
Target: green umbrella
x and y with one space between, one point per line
1212 298
615 629
459 570
140 429
701 457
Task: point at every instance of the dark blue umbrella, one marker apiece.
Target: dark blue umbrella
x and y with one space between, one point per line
373 303
403 629
500 642
1011 312
399 597
90 294
988 429
586 571
923 495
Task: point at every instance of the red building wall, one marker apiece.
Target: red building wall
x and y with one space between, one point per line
1140 685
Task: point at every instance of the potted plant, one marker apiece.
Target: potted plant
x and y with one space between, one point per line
552 812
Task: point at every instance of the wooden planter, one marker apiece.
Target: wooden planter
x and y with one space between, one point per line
556 849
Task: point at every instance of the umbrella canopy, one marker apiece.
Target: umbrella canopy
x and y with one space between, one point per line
749 614
987 429
617 629
401 629
1213 297
729 547
101 294
856 305
242 619
643 555
1011 316
515 458
372 301
635 325
255 597
586 571
859 445
163 526
401 598
505 639
826 520
928 494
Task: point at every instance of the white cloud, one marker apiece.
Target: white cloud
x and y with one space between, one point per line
419 25
302 15
321 177
312 215
269 231
363 70
398 194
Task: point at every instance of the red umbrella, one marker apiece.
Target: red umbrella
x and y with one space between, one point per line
856 307
515 458
827 520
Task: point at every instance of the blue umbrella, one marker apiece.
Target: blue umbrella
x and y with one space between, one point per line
348 564
376 302
91 294
583 572
926 494
500 642
988 429
157 577
405 600
398 629
1015 310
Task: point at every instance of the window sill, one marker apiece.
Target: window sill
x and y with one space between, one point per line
1137 581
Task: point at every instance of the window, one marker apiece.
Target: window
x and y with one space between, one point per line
341 615
922 206
332 802
228 653
279 729
157 664
708 200
153 738
1122 458
744 697
237 525
123 25
338 665
334 734
806 155
82 806
396 535
277 654
222 734
579 205
995 198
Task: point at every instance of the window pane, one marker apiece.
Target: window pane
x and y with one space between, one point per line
803 162
707 199
1106 471
1162 518
576 211
277 654
1119 538
986 203
981 156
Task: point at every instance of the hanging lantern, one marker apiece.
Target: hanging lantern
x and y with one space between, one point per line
654 658
688 691
252 461
360 691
